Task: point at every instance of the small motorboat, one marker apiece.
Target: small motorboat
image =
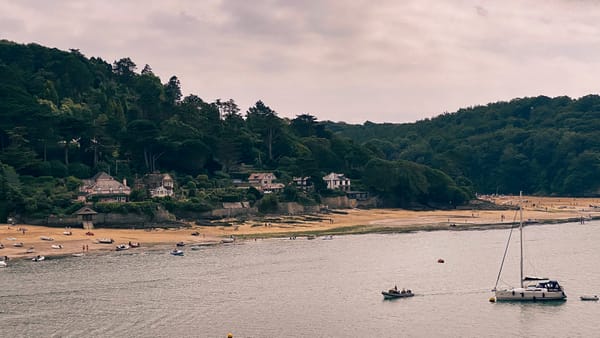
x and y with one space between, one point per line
67 233
176 252
45 238
394 293
78 254
30 250
311 236
195 233
122 247
38 258
11 239
328 237
180 244
106 241
589 297
228 240
3 264
89 233
56 246
1 246
18 245
134 244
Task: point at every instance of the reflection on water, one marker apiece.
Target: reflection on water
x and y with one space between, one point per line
306 288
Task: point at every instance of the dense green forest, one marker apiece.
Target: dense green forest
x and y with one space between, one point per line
64 117
540 145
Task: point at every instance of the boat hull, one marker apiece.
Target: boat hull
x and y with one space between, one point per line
393 295
517 295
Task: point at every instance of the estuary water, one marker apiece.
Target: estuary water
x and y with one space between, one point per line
310 288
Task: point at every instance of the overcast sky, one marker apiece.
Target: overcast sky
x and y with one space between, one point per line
353 61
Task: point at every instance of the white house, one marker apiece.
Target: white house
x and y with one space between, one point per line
337 181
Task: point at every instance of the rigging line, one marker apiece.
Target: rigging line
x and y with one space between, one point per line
505 252
456 292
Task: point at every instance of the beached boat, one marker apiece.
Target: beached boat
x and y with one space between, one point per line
531 288
180 244
3 264
1 246
45 238
56 246
328 237
589 297
228 240
134 244
38 258
11 239
30 250
394 293
122 247
67 233
18 245
106 240
311 237
176 252
78 254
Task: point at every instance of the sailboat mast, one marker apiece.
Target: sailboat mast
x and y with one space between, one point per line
521 231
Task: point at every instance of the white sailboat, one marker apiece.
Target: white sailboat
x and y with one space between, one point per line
531 288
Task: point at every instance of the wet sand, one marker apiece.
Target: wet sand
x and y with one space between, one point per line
347 221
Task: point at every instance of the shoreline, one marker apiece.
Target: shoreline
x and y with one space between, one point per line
537 211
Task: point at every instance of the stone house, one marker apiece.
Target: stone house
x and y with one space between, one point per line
104 188
264 182
157 185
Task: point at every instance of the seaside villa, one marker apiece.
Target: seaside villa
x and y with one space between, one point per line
104 188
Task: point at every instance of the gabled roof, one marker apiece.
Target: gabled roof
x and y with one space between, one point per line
261 176
85 211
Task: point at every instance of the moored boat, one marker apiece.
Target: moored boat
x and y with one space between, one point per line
3 264
589 297
122 247
38 258
176 252
531 288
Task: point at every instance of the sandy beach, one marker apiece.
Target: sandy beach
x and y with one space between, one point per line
346 221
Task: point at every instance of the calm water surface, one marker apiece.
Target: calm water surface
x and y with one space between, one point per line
318 288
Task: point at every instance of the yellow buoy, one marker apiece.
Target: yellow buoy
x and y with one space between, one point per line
492 299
